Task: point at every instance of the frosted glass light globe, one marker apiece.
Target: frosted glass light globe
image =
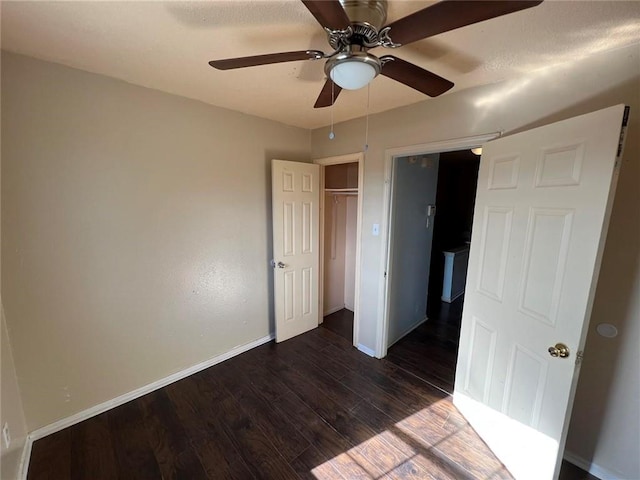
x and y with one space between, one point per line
352 75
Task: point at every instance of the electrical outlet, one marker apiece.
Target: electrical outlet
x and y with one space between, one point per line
6 435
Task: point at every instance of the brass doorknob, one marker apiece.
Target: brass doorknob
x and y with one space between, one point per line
560 350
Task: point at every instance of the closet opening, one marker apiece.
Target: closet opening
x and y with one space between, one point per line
340 214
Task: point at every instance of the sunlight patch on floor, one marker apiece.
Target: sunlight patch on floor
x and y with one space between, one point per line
370 459
407 449
528 453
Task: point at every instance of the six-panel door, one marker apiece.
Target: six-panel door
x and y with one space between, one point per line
542 208
296 202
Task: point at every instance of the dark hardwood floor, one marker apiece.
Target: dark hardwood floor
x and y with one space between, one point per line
430 353
311 407
340 323
431 350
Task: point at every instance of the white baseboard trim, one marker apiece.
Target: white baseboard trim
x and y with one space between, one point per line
139 392
409 330
592 468
366 350
452 298
24 459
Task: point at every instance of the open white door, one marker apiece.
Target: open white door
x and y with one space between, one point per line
296 258
541 215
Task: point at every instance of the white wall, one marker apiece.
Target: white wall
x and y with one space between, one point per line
135 232
607 402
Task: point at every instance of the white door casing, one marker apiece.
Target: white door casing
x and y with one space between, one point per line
542 208
296 200
391 155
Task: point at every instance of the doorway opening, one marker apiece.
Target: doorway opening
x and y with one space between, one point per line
439 314
387 234
340 219
433 200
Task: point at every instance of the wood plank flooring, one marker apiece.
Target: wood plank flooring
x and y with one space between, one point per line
431 350
312 407
340 323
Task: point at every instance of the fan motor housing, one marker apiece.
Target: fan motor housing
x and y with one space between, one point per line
366 12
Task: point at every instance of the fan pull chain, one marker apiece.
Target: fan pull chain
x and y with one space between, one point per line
366 131
333 102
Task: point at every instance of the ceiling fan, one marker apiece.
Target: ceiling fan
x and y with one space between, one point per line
355 26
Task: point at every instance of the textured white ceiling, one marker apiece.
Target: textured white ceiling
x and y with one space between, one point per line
166 46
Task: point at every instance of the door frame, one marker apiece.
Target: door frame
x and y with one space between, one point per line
358 158
382 331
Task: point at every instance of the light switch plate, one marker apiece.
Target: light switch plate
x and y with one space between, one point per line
376 229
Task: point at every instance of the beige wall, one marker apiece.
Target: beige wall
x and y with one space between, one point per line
136 232
11 412
606 417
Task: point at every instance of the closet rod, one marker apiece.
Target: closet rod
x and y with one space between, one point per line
341 190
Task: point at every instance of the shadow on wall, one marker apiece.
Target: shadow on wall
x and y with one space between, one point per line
615 292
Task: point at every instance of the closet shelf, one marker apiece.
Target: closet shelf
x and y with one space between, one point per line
341 190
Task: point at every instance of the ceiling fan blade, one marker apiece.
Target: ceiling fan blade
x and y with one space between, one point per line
451 14
241 62
414 76
327 97
328 13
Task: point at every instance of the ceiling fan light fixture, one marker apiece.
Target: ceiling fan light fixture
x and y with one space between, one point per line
353 70
352 75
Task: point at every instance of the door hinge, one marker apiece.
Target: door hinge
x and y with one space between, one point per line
579 357
623 132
